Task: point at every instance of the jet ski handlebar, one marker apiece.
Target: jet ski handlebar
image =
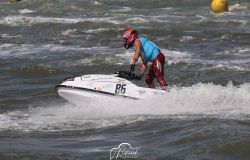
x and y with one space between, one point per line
128 75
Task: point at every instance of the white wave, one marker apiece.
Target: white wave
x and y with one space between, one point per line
27 20
201 19
237 7
111 59
154 19
137 20
174 57
26 11
106 55
124 9
230 67
238 51
186 38
16 50
168 8
6 45
241 61
97 30
97 3
68 32
224 20
10 36
55 118
176 54
209 100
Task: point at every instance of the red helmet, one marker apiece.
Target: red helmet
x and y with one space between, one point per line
129 37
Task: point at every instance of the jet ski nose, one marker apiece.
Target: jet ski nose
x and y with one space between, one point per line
69 79
65 80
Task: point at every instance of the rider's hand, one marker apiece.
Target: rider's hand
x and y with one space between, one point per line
132 68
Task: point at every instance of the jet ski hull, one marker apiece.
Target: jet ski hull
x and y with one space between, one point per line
79 90
78 95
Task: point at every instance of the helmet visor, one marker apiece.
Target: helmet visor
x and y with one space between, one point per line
126 45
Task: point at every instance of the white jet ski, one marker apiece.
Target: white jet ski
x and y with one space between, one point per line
104 87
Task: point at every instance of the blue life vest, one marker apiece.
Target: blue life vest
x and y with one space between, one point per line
149 51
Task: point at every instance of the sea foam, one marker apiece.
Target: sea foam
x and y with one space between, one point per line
197 101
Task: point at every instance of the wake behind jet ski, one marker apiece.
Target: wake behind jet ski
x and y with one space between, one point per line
104 87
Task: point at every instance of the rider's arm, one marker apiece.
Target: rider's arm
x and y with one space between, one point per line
137 52
143 67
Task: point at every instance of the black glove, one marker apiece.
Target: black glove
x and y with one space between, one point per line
132 68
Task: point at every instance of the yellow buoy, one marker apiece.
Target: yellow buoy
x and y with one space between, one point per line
219 6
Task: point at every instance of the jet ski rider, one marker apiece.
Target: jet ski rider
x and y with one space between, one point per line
148 52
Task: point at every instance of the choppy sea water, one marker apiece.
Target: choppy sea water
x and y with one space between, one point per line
206 115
